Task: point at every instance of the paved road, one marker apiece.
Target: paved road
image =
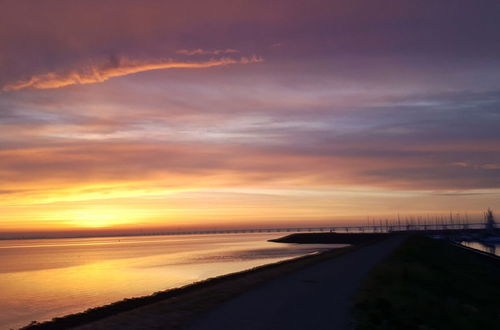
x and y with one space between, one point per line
315 298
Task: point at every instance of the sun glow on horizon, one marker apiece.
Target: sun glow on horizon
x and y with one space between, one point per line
93 220
99 217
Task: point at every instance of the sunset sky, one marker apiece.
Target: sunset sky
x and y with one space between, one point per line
146 114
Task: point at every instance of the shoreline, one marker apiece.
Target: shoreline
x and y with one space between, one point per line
187 301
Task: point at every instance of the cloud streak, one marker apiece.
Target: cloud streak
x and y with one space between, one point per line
117 67
199 51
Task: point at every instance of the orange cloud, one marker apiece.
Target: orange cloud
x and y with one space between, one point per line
117 67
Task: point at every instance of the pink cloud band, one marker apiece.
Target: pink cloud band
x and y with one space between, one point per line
116 68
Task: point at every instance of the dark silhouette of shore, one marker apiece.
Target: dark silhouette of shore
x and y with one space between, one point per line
331 238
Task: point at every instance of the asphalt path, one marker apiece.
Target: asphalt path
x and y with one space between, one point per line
317 297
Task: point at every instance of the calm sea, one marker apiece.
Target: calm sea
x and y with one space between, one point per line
42 279
493 248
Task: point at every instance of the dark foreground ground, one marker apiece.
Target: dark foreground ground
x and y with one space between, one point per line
423 284
317 297
431 284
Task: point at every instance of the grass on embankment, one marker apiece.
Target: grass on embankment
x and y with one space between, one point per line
428 284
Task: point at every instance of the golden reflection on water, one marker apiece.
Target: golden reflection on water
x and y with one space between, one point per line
41 279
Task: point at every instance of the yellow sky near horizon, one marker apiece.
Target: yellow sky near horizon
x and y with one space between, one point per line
233 208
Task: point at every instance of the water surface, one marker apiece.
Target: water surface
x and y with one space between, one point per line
42 279
493 248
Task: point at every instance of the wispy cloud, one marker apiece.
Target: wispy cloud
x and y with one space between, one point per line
117 67
200 51
488 166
